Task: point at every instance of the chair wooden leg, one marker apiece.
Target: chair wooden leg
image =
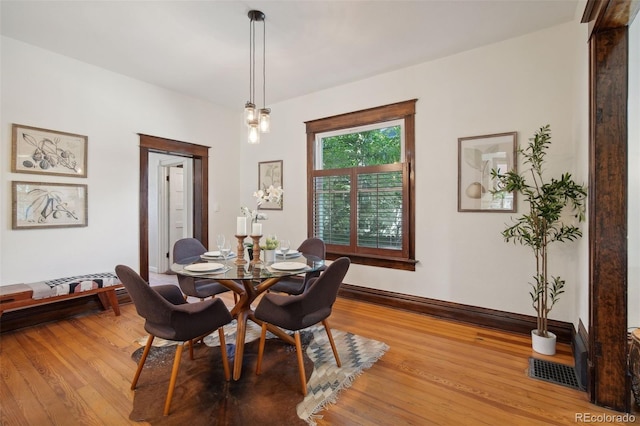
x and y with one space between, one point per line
142 360
333 345
263 338
225 360
174 376
191 349
303 378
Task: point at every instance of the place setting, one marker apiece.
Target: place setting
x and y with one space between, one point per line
211 268
216 255
284 250
224 250
289 255
288 267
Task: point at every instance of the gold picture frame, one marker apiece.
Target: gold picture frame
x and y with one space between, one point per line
48 205
48 152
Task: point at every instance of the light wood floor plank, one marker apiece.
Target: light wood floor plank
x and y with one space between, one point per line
436 372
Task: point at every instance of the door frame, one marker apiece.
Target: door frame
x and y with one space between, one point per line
200 156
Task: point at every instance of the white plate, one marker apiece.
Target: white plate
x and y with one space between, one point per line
288 266
203 267
216 255
289 253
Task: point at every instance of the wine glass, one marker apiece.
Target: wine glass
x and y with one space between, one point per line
225 250
220 239
285 245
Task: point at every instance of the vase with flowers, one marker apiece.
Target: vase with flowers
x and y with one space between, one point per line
271 195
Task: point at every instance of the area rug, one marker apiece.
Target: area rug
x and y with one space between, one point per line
202 396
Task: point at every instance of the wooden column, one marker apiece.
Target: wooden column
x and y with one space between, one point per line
609 384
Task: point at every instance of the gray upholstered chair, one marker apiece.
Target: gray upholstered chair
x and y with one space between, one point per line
188 250
296 284
304 310
168 316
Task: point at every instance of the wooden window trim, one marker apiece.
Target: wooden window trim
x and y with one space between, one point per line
402 110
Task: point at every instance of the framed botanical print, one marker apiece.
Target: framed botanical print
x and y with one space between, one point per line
270 173
48 205
477 156
48 152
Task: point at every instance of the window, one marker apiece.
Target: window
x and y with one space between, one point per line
360 185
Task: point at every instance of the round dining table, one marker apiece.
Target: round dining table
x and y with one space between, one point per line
248 280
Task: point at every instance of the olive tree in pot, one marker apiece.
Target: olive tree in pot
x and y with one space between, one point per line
544 223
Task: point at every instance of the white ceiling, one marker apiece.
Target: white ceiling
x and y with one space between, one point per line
201 48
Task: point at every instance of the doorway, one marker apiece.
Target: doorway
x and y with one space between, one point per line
199 156
170 207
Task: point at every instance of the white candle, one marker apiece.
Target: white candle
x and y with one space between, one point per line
241 226
256 229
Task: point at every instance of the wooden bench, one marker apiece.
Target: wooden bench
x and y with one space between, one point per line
20 296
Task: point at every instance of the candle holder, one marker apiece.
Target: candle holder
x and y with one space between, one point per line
256 248
240 258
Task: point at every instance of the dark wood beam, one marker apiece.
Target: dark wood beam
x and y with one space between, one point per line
609 384
608 219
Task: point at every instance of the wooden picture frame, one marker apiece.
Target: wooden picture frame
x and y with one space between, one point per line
270 173
48 205
48 152
477 156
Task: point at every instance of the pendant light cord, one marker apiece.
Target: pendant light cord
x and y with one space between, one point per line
264 62
252 61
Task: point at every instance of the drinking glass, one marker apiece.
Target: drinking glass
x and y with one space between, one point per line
220 239
225 250
285 245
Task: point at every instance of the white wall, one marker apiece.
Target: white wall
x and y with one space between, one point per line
580 137
634 176
516 85
43 89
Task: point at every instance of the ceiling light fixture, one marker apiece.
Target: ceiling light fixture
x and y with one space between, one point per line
258 120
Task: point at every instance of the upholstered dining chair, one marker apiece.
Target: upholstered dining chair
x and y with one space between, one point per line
168 316
188 250
297 312
296 284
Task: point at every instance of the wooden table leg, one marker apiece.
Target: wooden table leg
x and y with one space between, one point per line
242 312
241 329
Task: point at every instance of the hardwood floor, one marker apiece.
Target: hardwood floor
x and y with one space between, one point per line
78 371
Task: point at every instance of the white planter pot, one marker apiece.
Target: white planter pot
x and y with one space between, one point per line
543 345
269 256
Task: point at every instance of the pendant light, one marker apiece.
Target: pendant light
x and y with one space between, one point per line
257 120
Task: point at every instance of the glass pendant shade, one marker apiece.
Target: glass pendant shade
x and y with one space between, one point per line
254 133
250 113
257 120
265 120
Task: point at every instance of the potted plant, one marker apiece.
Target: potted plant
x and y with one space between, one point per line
269 247
542 225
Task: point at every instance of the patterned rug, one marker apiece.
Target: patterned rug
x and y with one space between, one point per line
357 354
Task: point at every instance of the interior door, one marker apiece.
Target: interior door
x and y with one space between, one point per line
176 208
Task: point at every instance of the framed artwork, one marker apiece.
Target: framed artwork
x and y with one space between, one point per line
270 173
477 156
48 205
48 152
